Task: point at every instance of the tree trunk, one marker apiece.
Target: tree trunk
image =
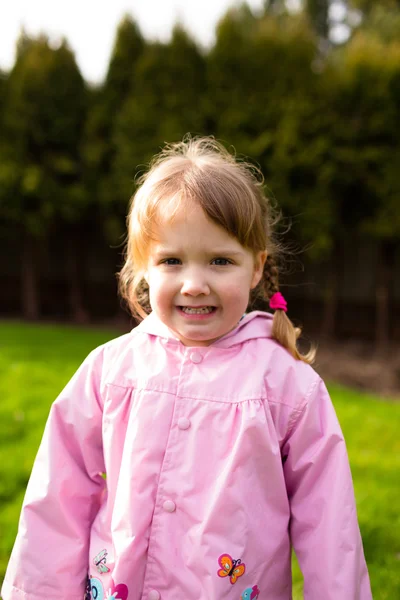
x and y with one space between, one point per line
29 279
74 261
331 296
383 295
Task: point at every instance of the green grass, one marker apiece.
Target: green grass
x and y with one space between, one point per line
371 429
36 361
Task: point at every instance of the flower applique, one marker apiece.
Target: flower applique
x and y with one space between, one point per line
117 592
250 593
230 568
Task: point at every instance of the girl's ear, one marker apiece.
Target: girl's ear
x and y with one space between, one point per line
259 261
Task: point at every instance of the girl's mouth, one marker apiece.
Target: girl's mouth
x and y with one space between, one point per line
203 310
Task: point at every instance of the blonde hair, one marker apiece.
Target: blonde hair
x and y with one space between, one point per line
230 193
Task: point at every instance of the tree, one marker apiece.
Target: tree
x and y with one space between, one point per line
40 177
274 7
373 67
232 80
381 20
167 103
105 104
318 12
6 174
120 81
358 141
368 6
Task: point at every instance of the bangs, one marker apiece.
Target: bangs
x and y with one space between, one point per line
228 201
150 213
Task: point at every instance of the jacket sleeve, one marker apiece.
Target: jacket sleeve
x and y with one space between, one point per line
323 527
50 555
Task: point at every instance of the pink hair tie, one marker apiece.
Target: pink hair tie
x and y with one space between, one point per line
278 302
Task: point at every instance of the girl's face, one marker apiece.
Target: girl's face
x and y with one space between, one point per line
200 277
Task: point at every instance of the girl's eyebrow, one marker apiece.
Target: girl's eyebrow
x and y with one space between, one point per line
226 251
163 251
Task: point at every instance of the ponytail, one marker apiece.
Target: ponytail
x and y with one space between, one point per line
283 329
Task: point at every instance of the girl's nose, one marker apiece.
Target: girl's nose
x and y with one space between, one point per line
195 284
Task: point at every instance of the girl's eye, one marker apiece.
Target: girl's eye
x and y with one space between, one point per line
171 261
221 262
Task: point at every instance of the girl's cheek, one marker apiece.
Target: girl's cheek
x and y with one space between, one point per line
238 288
157 280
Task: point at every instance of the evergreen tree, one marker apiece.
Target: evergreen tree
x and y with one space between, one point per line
274 7
120 81
105 105
167 103
41 177
368 6
318 12
367 146
381 20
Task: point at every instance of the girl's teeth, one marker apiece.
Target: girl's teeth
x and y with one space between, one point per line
197 311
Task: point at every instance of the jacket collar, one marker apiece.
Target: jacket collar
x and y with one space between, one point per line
256 324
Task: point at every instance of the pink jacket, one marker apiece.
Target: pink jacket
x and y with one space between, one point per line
217 458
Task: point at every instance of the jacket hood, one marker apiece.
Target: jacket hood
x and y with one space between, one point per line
252 325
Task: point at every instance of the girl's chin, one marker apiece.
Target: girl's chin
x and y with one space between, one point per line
193 338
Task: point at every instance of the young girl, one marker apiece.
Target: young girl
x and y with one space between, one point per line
184 459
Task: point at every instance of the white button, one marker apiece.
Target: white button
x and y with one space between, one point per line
169 506
183 423
196 357
154 595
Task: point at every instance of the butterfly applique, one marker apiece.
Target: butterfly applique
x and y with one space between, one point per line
230 568
100 561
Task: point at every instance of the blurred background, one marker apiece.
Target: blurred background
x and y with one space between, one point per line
308 90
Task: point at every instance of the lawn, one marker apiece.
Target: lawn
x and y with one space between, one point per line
37 360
